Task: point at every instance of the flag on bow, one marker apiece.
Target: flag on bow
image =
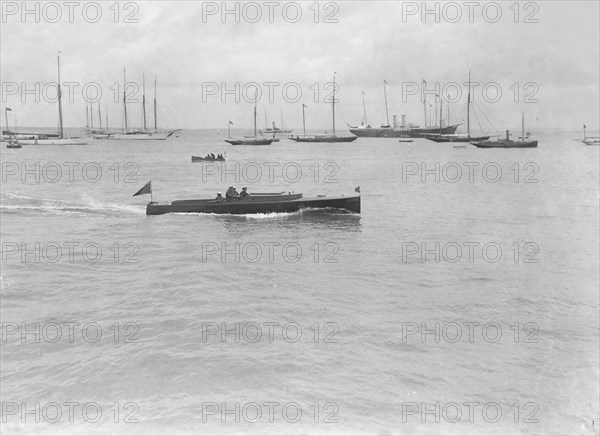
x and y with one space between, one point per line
147 189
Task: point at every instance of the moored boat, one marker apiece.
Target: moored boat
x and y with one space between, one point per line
456 138
249 140
208 159
274 131
589 140
56 141
323 137
397 131
61 139
459 137
523 141
13 143
144 134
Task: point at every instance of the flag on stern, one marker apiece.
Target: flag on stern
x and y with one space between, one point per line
147 189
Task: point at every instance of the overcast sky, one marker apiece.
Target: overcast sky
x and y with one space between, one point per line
370 42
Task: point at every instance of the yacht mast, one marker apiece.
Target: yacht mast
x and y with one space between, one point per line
333 104
387 117
364 110
155 121
469 107
59 92
144 99
125 99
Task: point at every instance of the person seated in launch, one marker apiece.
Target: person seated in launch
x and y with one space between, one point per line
232 194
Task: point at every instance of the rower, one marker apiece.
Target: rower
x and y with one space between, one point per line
219 197
244 193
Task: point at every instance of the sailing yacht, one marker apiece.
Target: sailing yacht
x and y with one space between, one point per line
249 140
61 139
459 137
141 134
324 137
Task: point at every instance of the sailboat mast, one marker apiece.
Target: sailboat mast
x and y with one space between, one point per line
144 99
125 99
523 125
333 105
255 99
87 117
469 108
364 110
99 116
266 125
91 115
441 105
282 128
106 117
59 92
155 121
8 129
424 101
303 120
387 117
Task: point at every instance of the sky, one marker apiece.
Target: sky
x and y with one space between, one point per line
542 56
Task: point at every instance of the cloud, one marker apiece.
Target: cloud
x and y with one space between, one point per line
185 48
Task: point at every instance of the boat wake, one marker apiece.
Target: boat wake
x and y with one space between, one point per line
307 212
15 203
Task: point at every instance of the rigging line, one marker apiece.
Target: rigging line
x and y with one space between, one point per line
478 123
488 120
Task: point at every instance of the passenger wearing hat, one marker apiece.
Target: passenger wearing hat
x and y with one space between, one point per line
232 194
244 193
